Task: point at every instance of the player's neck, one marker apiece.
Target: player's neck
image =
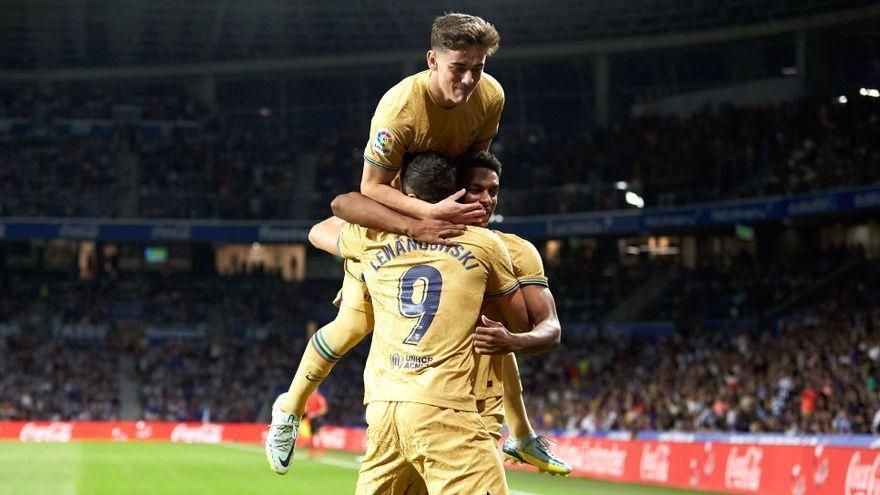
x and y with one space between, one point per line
436 93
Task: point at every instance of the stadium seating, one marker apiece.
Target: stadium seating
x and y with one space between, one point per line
236 168
693 379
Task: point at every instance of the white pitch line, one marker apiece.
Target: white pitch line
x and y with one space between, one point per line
337 462
327 460
520 492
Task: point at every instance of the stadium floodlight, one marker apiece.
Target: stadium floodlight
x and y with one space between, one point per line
621 185
634 199
874 93
842 99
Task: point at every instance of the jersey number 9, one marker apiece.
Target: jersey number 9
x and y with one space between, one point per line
426 308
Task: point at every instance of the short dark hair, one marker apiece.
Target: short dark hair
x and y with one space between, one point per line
428 176
455 31
474 159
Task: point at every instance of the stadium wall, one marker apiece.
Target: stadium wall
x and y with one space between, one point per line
767 464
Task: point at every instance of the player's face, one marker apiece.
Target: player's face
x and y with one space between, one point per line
481 185
457 73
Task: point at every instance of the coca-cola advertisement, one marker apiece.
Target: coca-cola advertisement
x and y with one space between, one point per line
654 465
742 464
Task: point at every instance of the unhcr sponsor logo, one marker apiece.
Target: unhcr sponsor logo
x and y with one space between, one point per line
409 362
283 234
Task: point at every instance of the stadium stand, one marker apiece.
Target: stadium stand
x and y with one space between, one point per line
251 171
694 379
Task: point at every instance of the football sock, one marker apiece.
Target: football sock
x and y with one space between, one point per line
514 408
326 347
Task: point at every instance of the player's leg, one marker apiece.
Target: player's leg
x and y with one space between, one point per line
515 414
524 445
491 412
324 349
385 470
353 322
452 450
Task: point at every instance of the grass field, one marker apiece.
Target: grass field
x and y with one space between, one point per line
227 469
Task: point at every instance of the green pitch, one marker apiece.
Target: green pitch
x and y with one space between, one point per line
228 469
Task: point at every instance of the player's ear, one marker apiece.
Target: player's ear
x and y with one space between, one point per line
432 59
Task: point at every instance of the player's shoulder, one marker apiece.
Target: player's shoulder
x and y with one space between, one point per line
400 98
490 88
482 237
519 248
514 241
374 235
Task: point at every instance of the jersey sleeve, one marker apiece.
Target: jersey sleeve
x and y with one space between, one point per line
390 135
527 264
350 243
502 279
495 105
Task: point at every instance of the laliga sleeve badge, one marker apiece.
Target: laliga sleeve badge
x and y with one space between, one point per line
383 141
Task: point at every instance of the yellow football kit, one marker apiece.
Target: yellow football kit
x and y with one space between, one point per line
489 383
419 375
408 121
354 292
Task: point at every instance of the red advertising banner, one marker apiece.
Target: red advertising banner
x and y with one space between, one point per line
332 437
711 466
727 467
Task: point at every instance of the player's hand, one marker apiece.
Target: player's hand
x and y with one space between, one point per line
435 231
492 338
459 213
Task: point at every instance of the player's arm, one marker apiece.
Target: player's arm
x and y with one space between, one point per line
490 129
325 235
376 185
513 310
358 209
545 334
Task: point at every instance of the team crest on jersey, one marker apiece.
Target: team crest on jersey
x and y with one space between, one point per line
384 141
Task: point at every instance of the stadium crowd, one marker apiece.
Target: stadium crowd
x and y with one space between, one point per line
218 348
57 379
264 168
814 371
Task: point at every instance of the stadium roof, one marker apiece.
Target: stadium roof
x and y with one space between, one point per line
53 34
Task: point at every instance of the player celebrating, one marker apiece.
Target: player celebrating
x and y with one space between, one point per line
422 413
448 109
461 107
479 174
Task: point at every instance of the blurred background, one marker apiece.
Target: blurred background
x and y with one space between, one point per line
701 178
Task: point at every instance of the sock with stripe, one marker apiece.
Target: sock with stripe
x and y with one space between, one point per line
514 408
324 349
